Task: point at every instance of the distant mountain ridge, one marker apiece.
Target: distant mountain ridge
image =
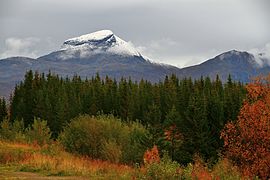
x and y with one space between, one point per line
107 54
240 65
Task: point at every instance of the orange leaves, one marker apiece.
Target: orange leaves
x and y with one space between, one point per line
247 141
151 156
200 171
255 90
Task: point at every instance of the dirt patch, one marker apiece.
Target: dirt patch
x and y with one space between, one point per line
34 176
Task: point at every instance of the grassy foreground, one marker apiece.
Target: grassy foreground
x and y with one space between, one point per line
30 161
53 161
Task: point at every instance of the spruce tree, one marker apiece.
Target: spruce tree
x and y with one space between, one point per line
3 109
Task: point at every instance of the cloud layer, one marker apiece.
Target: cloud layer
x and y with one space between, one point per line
262 55
178 32
20 47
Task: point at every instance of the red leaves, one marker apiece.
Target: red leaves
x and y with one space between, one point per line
247 141
151 156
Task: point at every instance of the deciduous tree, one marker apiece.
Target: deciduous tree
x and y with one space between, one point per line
247 141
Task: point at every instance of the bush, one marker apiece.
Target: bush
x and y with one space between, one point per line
5 131
105 137
136 144
199 169
39 132
111 151
163 168
225 170
151 156
12 131
83 135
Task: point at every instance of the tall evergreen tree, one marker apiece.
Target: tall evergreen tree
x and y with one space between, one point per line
3 109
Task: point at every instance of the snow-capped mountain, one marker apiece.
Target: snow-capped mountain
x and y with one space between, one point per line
107 54
85 46
103 40
101 52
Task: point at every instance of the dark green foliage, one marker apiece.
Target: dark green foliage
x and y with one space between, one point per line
3 109
106 137
198 109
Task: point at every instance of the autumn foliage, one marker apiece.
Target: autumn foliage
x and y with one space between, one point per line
151 156
200 170
247 141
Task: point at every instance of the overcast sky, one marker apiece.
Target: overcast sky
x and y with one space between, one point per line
177 32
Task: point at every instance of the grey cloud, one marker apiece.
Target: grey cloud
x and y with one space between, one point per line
199 29
29 46
262 54
20 47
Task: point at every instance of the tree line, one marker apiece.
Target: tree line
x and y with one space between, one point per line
184 116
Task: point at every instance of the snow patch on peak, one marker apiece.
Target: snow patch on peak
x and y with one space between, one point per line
95 36
99 42
123 47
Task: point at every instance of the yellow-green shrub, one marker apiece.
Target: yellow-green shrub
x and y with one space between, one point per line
12 131
163 169
105 137
39 132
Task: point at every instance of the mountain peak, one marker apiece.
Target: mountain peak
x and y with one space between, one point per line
99 41
233 53
237 59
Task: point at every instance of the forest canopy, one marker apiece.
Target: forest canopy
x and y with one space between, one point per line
184 116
